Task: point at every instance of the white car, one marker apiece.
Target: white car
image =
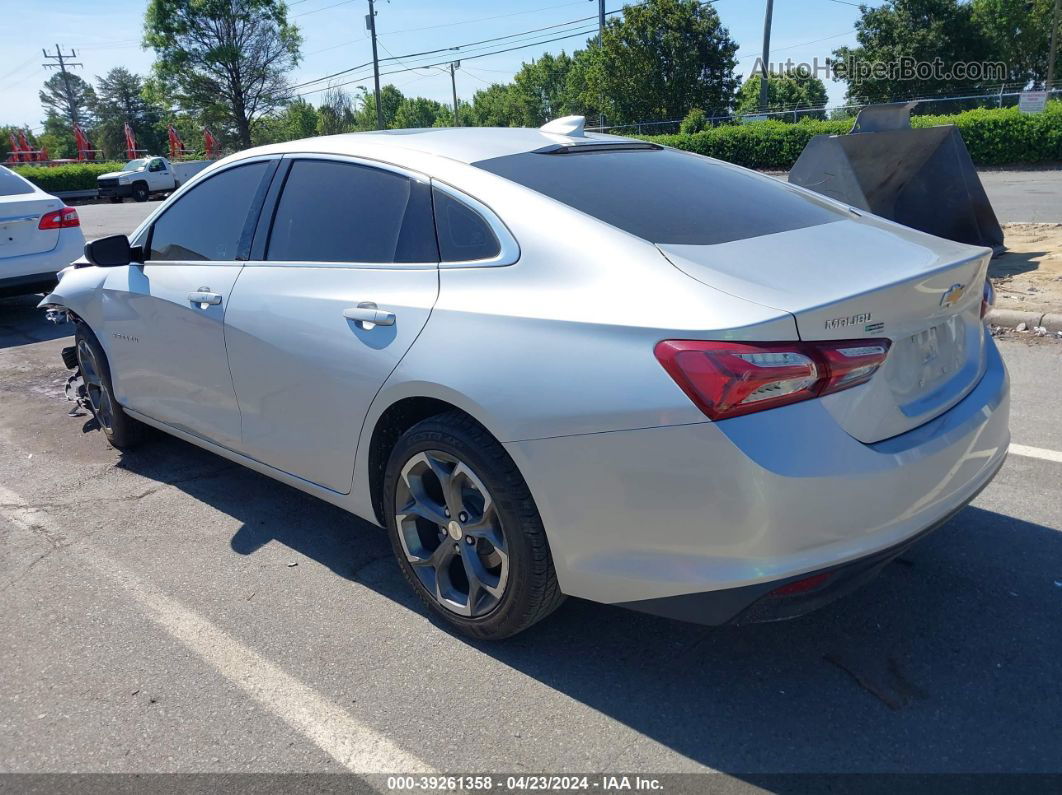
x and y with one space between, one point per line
39 236
556 363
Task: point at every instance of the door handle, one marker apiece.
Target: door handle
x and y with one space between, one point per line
204 296
366 312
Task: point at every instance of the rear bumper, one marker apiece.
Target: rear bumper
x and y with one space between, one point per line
769 601
746 505
33 273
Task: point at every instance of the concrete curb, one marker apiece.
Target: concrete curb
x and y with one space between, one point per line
1011 318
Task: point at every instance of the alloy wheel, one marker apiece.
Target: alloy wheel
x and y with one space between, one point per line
451 533
98 394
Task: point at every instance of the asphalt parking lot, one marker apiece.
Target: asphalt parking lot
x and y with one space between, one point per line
165 610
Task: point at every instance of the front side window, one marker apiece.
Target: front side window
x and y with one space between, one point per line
330 211
156 165
208 221
463 234
664 196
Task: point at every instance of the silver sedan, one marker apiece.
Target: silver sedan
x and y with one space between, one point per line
555 363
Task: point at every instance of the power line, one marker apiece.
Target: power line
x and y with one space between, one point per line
20 67
585 32
457 48
323 8
478 19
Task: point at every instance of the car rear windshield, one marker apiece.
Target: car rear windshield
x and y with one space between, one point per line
664 196
13 185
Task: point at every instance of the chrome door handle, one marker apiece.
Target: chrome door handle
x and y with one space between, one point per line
204 297
366 312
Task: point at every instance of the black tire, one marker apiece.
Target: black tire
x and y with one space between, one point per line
116 199
121 430
530 592
140 192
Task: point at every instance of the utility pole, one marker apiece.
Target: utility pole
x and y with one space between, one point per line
370 23
61 63
454 66
601 40
765 70
1054 49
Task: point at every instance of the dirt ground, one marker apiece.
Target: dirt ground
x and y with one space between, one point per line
1029 275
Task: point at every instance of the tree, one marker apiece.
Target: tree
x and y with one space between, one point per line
336 113
58 136
1019 33
539 91
797 88
69 98
390 99
660 60
230 54
445 118
120 99
494 106
696 121
938 34
297 120
421 112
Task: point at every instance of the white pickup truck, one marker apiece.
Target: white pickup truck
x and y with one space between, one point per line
144 176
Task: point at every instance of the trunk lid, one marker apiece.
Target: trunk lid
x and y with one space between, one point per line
864 278
19 216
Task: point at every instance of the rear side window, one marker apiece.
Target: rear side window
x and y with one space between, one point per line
346 212
664 196
11 184
463 233
208 222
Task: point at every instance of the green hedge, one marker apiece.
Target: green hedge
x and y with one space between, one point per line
75 176
995 137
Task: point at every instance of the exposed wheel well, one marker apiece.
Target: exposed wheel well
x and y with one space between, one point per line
398 419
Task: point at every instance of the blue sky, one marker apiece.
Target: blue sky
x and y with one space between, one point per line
106 33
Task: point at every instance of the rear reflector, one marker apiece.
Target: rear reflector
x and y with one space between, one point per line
728 379
988 298
59 219
803 586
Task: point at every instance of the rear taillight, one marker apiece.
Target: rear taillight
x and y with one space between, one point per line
728 379
988 298
59 219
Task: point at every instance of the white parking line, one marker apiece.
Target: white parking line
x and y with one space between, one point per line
357 747
1036 452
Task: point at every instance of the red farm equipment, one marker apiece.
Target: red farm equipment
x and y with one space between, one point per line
131 152
211 145
85 152
178 150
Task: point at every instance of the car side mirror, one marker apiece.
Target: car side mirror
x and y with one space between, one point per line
111 252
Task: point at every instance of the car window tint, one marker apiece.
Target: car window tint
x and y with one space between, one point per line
665 196
13 185
463 233
345 212
208 221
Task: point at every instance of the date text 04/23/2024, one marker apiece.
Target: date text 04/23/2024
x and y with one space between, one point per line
533 783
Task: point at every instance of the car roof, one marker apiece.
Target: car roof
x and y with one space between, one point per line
463 144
